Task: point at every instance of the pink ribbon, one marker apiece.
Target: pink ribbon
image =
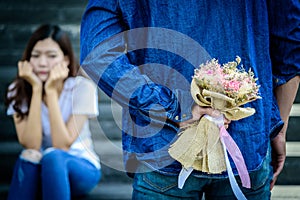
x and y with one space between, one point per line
236 156
233 150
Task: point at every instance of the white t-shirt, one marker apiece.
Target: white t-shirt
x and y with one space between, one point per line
79 96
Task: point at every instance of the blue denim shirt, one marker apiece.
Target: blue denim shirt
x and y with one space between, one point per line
143 54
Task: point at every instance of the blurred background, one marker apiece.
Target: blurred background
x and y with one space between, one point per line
18 19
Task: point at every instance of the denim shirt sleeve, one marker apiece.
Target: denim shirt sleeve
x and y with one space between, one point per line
276 121
284 20
104 58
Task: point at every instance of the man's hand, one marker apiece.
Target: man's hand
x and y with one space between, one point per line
198 112
278 156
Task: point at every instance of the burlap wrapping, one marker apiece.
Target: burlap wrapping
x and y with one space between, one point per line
199 145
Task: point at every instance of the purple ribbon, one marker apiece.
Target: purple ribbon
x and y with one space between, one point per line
236 156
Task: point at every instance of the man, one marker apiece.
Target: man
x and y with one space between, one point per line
143 54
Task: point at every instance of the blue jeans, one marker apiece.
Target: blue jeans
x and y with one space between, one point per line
153 185
58 176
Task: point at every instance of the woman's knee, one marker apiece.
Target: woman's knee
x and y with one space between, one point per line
31 155
52 156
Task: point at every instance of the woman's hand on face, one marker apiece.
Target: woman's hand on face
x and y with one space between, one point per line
26 72
56 77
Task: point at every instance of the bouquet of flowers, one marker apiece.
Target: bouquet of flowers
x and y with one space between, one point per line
237 84
225 88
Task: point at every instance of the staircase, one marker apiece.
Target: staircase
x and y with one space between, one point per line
18 19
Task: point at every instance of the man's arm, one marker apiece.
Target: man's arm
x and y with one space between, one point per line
284 19
104 46
285 95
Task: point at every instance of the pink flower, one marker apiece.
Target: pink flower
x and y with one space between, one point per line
235 85
227 79
210 71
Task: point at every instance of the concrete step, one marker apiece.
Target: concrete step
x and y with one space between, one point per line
113 191
9 153
14 37
294 123
14 33
290 172
70 13
124 191
297 100
103 191
121 191
295 111
293 149
105 128
291 192
293 129
7 127
286 192
4 188
7 75
111 156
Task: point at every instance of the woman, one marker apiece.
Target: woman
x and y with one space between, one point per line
50 108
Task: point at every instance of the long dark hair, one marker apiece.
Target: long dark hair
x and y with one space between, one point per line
21 91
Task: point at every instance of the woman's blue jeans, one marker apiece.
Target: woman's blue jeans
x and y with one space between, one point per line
58 176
